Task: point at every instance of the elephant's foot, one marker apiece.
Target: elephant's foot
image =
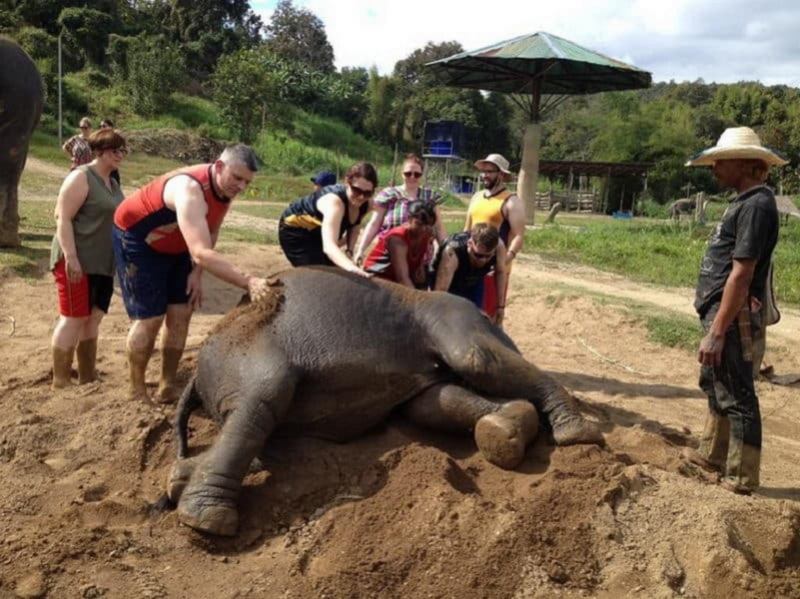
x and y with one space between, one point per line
577 431
179 477
503 436
215 519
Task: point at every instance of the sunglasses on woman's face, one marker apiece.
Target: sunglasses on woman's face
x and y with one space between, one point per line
415 174
364 193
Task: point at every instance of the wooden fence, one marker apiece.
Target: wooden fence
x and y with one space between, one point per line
580 201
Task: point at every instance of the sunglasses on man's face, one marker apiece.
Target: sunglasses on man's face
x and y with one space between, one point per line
83 127
415 174
482 256
364 193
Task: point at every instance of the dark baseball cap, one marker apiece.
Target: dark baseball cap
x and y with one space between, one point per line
324 178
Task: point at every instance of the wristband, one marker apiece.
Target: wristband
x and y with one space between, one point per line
501 307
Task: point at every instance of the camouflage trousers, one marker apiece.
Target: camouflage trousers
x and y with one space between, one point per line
731 439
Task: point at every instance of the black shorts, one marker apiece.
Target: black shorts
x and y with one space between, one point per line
302 247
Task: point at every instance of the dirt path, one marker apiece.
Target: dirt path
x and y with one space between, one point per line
670 298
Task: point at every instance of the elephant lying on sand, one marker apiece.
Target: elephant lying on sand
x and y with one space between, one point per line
330 355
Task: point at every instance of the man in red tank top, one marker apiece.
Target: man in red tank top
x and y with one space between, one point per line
164 237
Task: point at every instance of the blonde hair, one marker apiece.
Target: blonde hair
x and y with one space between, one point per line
85 122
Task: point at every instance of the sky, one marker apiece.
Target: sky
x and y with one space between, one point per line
714 40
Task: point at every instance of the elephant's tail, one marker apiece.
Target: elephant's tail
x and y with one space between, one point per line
187 404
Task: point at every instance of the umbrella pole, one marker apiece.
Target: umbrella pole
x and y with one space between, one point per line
529 168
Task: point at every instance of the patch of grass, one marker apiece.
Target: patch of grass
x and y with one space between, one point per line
265 211
277 188
247 235
44 146
37 227
673 330
332 134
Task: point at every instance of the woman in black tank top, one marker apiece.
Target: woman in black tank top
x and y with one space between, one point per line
312 227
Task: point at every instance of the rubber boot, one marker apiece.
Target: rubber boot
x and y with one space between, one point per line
503 436
744 464
713 450
168 391
62 367
87 359
137 364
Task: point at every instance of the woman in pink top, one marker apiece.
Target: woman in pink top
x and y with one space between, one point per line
399 255
391 207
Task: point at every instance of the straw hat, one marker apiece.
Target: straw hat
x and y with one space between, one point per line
496 160
737 143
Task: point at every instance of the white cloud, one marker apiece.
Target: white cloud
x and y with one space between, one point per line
716 40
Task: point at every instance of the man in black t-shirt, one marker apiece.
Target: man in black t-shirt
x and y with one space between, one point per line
730 291
463 261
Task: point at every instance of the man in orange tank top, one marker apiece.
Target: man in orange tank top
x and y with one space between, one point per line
164 237
495 205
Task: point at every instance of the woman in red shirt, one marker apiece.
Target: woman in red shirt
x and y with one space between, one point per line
399 255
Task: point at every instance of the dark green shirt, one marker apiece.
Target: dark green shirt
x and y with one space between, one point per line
748 231
92 227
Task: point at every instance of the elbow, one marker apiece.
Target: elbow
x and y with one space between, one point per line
201 257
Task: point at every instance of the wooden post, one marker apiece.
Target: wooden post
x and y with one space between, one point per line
606 186
394 166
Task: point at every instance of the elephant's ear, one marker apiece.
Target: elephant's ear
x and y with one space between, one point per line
245 299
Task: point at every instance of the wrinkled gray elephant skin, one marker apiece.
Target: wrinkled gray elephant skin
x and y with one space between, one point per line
21 96
330 355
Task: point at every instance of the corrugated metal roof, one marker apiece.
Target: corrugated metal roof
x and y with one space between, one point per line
561 66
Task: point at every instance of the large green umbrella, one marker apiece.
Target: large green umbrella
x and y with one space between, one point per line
540 65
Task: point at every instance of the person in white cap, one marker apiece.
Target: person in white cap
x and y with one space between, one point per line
730 290
495 205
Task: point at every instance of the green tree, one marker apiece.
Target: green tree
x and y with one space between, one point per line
207 29
155 70
88 29
252 87
298 35
381 95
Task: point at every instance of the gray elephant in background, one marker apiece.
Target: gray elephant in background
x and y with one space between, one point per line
21 99
682 206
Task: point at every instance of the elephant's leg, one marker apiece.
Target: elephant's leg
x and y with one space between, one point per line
208 500
489 364
503 429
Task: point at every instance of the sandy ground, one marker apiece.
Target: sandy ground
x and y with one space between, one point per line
401 512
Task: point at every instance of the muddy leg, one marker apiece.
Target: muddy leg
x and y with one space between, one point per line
489 363
502 429
208 501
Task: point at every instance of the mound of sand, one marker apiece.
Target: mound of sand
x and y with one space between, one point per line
401 512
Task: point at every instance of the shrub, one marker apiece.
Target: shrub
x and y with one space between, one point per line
155 70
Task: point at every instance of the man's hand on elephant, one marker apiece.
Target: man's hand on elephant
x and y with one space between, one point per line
710 351
257 288
194 288
74 269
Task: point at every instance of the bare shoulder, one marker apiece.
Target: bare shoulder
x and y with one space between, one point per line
182 187
75 180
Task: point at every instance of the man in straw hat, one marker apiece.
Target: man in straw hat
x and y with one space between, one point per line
730 290
502 209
